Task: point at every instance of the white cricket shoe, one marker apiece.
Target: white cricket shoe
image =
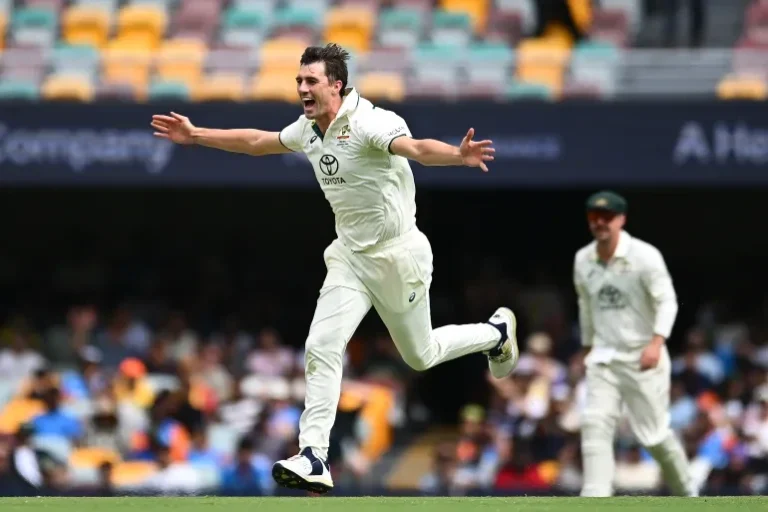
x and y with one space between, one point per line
305 472
502 359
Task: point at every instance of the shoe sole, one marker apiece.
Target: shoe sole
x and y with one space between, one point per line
284 477
512 337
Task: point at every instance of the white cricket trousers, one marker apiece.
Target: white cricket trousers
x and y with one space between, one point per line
646 394
394 277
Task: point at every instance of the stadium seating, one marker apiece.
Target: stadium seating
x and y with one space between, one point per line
467 48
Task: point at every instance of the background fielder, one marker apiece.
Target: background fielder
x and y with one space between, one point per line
627 308
379 259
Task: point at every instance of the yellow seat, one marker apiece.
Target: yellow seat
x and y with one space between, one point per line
127 61
382 86
281 55
82 24
92 457
3 27
350 27
17 412
219 87
476 9
543 61
132 472
142 22
274 87
181 60
745 87
67 88
352 39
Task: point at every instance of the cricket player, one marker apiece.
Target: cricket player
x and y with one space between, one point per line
627 307
379 259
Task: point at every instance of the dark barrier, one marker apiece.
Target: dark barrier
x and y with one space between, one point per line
551 145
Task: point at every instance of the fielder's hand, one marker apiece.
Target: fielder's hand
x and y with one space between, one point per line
475 154
650 356
176 128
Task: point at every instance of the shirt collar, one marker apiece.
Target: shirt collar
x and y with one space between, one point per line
622 248
350 103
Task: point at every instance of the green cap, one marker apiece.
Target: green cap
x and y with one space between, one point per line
608 201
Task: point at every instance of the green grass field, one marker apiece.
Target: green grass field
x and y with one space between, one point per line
328 504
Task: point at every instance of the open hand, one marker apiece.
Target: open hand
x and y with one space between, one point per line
176 128
475 154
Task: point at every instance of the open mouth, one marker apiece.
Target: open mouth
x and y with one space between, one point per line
308 102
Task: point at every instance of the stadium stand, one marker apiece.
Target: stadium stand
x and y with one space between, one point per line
142 46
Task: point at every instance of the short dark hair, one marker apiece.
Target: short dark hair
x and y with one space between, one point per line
335 58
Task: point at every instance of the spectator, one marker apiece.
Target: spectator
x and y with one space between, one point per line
131 385
164 431
19 361
56 422
213 372
271 358
182 341
25 461
200 452
440 482
102 431
243 410
11 484
237 345
682 408
634 473
172 476
243 477
87 379
123 338
538 355
64 343
698 365
159 360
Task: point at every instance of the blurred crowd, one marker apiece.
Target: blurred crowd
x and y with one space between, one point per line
527 438
106 403
111 406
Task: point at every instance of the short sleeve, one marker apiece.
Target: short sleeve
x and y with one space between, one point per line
291 135
382 127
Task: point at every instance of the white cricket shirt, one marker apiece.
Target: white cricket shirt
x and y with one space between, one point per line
370 190
624 303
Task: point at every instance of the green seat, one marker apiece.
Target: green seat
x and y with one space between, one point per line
82 56
451 20
602 50
31 17
489 53
528 91
160 91
296 17
436 54
243 18
19 90
400 19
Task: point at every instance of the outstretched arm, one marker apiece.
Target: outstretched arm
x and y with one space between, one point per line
433 152
179 129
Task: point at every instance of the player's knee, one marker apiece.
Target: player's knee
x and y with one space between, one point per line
319 350
417 362
597 423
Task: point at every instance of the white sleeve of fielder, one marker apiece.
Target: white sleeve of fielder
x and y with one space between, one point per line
658 282
381 127
585 311
291 135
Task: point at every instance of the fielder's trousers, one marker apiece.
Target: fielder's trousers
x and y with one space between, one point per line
393 277
646 394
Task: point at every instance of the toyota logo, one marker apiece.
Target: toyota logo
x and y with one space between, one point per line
329 165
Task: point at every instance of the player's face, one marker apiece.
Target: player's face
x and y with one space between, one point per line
315 90
605 225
